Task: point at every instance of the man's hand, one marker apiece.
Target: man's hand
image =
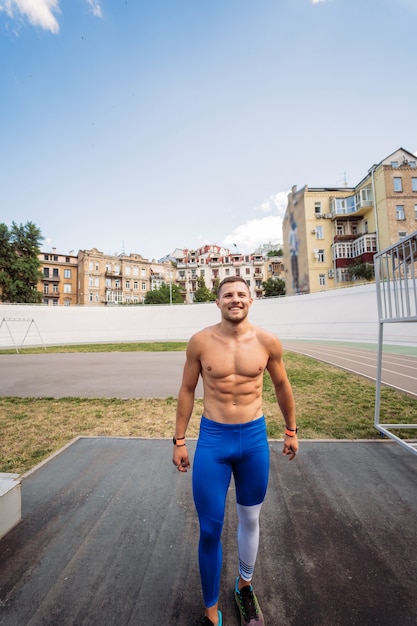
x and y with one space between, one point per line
180 458
290 446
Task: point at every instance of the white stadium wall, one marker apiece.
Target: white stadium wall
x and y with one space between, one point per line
345 314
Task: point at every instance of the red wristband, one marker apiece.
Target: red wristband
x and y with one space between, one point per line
290 433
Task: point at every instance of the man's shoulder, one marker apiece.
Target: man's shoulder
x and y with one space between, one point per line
267 338
203 334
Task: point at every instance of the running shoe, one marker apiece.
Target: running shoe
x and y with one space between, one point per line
207 622
248 605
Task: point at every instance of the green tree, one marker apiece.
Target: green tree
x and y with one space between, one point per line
278 252
164 295
20 267
203 293
273 287
364 271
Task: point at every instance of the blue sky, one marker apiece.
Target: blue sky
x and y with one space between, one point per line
148 125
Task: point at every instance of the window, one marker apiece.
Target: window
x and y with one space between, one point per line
237 272
46 272
67 288
415 211
143 272
394 164
55 272
67 273
247 270
319 232
143 286
135 285
322 280
317 208
398 184
414 184
399 210
128 284
402 234
127 270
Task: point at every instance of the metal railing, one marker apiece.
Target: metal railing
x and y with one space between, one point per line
396 288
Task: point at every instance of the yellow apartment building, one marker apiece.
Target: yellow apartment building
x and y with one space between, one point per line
327 230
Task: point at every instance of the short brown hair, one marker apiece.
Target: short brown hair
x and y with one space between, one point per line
231 279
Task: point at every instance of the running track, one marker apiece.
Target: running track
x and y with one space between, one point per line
399 363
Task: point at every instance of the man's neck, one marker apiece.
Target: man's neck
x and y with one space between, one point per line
234 329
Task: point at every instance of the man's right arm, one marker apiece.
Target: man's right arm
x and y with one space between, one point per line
185 403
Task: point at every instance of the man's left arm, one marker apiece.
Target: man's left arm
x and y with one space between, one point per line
285 398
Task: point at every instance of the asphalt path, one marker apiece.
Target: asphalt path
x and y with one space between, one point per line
92 375
158 374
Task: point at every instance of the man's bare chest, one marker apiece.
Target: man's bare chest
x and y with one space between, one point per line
244 362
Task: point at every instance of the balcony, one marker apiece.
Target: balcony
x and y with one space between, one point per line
357 205
113 273
54 279
355 247
51 294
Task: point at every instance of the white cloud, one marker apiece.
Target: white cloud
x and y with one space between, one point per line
258 231
41 13
254 233
95 8
38 12
275 203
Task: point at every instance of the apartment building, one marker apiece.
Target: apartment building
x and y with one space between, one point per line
60 278
95 279
327 230
214 263
121 279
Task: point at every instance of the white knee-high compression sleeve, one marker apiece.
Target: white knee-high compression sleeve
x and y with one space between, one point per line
248 538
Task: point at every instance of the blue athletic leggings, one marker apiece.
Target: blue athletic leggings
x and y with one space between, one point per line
223 450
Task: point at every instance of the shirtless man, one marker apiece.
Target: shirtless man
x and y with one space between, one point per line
231 358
